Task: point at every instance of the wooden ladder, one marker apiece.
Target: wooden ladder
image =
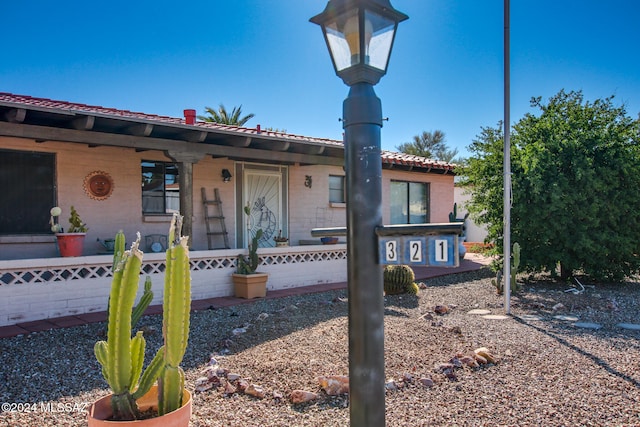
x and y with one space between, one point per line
211 218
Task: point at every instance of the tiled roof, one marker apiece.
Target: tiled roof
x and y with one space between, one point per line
388 157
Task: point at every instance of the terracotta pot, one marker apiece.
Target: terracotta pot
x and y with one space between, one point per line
70 244
250 285
100 411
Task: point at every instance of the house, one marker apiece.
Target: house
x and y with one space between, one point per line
128 170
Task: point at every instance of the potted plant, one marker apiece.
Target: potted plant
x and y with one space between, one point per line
453 217
135 400
247 283
70 243
281 240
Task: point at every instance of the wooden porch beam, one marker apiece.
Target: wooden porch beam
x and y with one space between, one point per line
16 115
160 144
83 122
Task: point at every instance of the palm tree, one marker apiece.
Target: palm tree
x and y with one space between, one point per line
430 145
221 116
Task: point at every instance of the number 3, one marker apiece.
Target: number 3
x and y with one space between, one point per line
392 251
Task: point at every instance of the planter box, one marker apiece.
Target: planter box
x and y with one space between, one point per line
250 285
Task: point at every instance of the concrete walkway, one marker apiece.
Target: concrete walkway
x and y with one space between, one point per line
472 262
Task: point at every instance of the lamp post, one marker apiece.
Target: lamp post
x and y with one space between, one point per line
360 35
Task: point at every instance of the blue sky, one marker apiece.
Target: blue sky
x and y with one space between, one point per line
446 69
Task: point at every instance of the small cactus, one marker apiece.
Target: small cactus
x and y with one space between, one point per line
77 226
399 279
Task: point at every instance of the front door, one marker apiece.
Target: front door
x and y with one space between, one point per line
262 193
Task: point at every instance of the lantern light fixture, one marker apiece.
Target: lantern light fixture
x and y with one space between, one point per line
359 35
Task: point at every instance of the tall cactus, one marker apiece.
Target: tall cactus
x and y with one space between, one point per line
122 355
175 321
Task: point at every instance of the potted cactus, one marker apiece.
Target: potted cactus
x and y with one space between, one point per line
135 399
247 283
70 243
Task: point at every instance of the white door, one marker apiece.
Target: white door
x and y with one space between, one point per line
262 193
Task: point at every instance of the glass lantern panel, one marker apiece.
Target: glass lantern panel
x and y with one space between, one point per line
379 33
344 41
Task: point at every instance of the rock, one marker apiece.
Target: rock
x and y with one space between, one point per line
450 374
262 316
391 385
407 378
277 395
229 388
233 376
243 384
209 372
456 362
334 385
484 352
255 391
239 331
442 367
203 384
441 309
301 396
481 360
469 362
426 382
558 306
427 316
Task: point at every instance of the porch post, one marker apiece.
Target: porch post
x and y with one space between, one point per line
185 181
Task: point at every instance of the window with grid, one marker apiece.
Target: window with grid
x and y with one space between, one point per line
409 202
336 189
160 188
27 183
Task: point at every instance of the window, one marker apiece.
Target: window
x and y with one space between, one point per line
336 189
160 188
409 202
27 180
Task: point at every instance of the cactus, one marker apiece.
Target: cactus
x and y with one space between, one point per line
250 265
77 226
175 322
122 356
398 279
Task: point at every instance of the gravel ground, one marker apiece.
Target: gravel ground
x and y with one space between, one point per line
549 371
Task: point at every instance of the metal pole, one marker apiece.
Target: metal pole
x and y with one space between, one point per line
362 115
507 161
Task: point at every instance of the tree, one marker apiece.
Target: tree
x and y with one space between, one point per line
575 174
430 145
223 117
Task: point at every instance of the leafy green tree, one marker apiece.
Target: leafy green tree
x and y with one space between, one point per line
430 145
223 117
575 175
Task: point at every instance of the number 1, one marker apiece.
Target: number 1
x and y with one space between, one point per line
441 251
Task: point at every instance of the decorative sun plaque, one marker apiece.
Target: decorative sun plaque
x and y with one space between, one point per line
98 185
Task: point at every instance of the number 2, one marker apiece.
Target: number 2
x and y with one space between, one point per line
415 246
